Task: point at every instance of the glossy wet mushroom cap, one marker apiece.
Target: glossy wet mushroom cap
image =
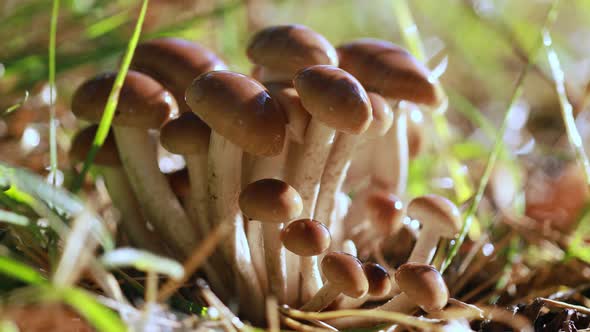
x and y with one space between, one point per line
424 285
438 212
175 63
388 69
345 272
240 109
186 134
107 155
290 48
143 102
270 200
379 280
335 98
382 116
306 237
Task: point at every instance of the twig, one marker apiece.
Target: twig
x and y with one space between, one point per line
199 256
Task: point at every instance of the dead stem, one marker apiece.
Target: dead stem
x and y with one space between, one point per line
199 255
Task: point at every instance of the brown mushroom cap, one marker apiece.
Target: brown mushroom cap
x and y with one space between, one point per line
378 277
270 200
386 211
175 63
240 109
345 272
335 98
107 155
388 69
290 48
180 183
143 102
424 285
382 116
306 237
287 97
186 134
439 212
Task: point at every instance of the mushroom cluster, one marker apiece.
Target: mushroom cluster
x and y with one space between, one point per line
275 156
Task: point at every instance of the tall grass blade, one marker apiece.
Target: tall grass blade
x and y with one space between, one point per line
498 146
52 94
111 105
101 317
143 261
19 271
13 218
567 114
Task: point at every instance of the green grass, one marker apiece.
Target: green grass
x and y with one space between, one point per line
470 215
52 94
111 105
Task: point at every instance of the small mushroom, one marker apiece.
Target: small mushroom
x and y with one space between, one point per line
306 237
108 163
337 102
188 136
379 286
341 157
439 218
143 104
394 73
421 285
242 117
281 51
272 202
344 274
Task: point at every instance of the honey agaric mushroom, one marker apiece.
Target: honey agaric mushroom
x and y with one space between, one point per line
337 102
188 136
384 213
272 202
175 63
278 53
281 51
421 285
109 165
179 183
344 274
242 117
143 104
379 286
306 237
341 156
439 218
395 74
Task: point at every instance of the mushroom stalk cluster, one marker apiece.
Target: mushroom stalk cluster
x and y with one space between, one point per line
274 157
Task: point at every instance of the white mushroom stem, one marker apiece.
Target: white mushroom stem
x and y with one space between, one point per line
334 174
138 156
224 176
425 246
268 253
390 168
196 165
322 298
132 221
308 168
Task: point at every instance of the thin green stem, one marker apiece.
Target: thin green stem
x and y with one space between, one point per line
409 30
567 113
52 94
498 146
111 105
